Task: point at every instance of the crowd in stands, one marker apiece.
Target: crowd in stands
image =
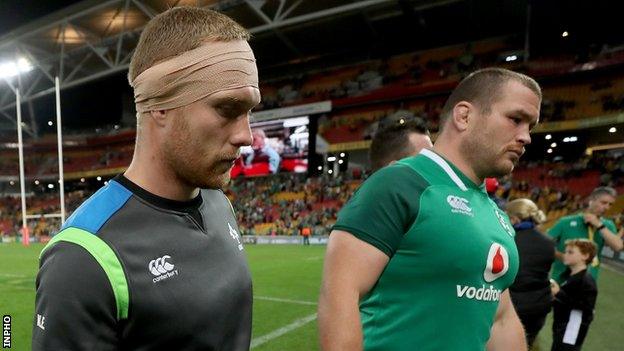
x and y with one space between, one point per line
284 204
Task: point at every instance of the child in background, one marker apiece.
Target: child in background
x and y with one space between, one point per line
574 301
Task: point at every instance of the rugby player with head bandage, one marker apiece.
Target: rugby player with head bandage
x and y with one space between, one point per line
154 260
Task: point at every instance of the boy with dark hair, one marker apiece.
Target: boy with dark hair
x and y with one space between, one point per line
574 301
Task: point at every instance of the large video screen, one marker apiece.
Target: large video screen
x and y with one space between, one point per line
279 145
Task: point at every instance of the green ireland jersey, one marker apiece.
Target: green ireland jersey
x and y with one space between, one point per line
451 250
574 227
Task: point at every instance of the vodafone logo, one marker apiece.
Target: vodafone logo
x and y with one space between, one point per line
497 263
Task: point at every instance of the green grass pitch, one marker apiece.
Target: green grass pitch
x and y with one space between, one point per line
286 286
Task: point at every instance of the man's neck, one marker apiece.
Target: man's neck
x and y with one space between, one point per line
578 267
149 171
446 150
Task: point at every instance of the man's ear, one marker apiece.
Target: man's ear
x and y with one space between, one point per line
159 117
461 115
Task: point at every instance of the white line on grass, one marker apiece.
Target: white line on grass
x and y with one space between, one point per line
313 258
614 270
277 299
12 275
281 331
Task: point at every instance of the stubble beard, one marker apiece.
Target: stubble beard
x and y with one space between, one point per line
484 157
185 159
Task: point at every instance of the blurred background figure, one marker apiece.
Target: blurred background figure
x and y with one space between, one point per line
263 152
530 292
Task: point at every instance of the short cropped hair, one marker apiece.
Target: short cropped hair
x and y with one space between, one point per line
585 246
181 29
483 88
391 142
603 190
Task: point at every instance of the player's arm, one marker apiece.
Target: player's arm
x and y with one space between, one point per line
555 234
75 307
614 241
507 332
368 232
351 268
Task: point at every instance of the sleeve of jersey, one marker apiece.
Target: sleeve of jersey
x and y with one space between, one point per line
611 226
74 307
383 208
555 231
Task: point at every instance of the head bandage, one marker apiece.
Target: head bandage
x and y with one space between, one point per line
195 74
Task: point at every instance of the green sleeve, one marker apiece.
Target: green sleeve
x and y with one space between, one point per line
610 225
384 207
556 231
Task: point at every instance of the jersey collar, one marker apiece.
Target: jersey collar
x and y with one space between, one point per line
460 179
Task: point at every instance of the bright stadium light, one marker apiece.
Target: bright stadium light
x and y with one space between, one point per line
549 151
50 186
36 182
50 123
511 58
342 154
320 168
82 180
565 34
612 130
566 140
12 182
331 159
99 178
402 121
548 137
553 145
13 68
573 139
340 162
330 171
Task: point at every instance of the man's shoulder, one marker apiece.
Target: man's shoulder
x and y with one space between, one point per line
572 219
97 209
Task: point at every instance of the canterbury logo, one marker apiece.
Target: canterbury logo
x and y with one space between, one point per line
161 269
459 205
160 265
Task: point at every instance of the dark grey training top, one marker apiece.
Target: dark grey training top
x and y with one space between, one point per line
132 271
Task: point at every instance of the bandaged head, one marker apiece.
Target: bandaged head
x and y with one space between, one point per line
195 74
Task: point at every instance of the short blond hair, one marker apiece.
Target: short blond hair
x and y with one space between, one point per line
525 209
178 30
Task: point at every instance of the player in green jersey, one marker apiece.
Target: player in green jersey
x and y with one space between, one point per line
587 225
420 257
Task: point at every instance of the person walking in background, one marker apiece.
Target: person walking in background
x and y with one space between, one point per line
590 224
575 299
530 292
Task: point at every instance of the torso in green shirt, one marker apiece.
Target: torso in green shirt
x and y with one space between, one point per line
574 227
451 253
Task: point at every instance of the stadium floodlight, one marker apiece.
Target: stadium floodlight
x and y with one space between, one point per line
549 151
565 34
342 154
340 162
573 139
50 186
553 145
566 140
50 123
82 180
36 182
320 168
548 137
331 159
511 58
13 68
612 130
99 178
12 182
